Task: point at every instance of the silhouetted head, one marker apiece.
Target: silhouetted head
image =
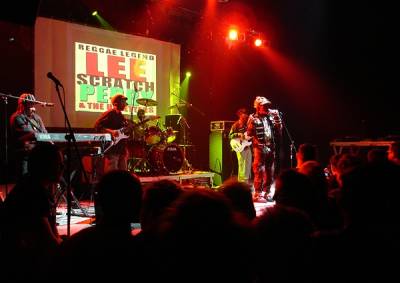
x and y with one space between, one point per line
156 199
306 152
119 196
45 163
239 193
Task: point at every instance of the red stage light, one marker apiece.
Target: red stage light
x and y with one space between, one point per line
258 42
233 34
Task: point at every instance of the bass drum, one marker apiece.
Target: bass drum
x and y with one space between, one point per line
166 158
136 149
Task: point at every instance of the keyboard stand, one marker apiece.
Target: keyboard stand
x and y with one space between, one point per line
61 195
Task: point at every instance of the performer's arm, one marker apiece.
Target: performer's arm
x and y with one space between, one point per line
233 133
20 124
21 128
40 122
248 135
100 125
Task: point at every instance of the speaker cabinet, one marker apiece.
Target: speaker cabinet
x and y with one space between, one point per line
172 120
221 162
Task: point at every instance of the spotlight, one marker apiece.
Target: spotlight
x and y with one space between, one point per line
233 34
258 42
94 13
188 74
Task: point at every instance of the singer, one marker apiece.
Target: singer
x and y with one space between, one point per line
24 123
262 127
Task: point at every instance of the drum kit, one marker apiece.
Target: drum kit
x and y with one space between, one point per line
152 150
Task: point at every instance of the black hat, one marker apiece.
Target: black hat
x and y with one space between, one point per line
27 98
118 98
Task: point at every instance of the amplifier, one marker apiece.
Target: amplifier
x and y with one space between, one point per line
221 126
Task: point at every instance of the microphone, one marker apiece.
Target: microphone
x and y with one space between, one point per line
54 79
47 104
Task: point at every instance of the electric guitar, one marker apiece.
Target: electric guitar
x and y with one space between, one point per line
238 145
123 133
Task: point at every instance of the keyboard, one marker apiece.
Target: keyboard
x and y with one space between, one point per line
79 137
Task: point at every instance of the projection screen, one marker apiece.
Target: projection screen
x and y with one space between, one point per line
93 64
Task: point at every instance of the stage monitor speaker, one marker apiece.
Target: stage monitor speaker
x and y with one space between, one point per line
220 156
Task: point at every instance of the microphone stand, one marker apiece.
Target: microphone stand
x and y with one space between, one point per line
293 149
186 165
189 105
133 100
70 138
5 99
187 168
42 103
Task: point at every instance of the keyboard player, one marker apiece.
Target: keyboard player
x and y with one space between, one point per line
24 123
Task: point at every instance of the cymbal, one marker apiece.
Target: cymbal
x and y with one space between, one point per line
146 102
185 145
177 105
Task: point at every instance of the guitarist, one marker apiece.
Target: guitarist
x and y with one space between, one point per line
112 121
241 146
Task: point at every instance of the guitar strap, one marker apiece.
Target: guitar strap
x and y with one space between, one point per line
34 124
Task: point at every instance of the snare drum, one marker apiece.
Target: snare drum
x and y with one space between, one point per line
169 135
152 135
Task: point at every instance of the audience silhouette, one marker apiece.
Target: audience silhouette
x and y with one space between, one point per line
28 230
240 196
340 227
108 249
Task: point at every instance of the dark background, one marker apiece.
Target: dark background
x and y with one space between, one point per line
325 69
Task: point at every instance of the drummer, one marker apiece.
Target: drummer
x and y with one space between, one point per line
140 125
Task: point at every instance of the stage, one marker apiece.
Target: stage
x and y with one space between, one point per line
84 216
198 178
79 221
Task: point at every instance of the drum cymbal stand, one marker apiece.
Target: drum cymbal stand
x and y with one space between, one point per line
186 167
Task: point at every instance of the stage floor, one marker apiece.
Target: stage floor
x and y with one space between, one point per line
85 215
195 178
79 221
